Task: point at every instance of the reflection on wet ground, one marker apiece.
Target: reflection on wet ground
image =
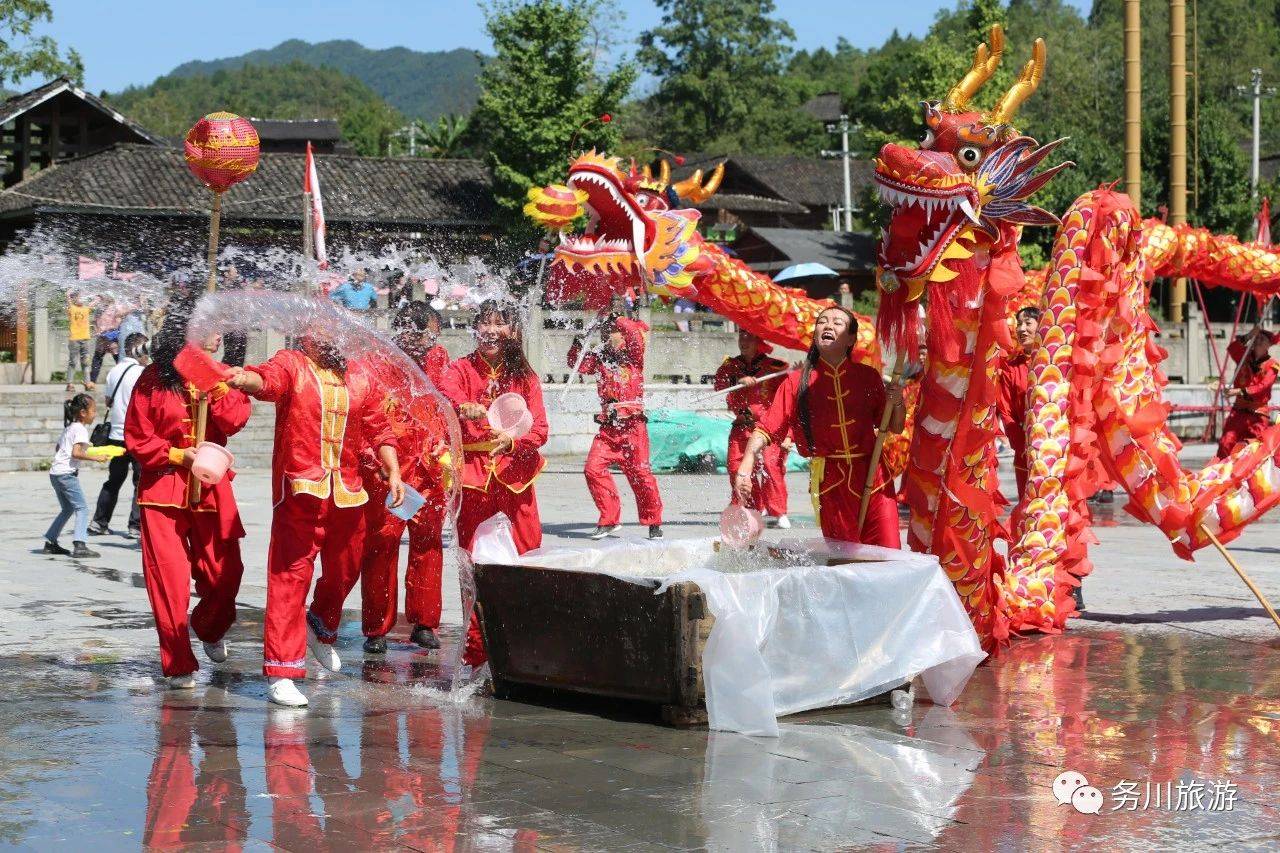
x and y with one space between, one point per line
94 753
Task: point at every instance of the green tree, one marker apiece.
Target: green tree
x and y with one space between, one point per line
172 104
23 54
720 67
542 95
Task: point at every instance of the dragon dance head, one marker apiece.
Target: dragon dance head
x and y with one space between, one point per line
968 181
635 233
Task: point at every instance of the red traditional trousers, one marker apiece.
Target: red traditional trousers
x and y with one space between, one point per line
179 545
625 445
303 527
768 481
1241 425
382 553
526 530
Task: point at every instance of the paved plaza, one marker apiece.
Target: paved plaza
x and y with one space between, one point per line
1166 697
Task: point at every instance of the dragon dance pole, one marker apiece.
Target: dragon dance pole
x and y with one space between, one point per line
899 365
1177 141
1257 593
1133 101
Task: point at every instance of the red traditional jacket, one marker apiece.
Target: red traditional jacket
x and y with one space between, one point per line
418 423
324 420
471 379
619 376
749 404
1253 380
1011 400
160 424
434 364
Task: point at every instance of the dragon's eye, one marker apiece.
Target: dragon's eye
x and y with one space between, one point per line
927 142
969 157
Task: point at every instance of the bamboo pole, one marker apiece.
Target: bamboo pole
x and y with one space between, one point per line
899 365
1133 101
1257 593
1177 141
210 285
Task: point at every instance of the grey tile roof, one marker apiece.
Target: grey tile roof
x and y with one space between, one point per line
844 251
813 182
18 104
126 179
313 129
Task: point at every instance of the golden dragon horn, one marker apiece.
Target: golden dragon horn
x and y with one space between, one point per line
664 171
693 189
1028 80
647 172
985 62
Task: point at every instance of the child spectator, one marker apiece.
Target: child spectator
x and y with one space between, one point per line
64 474
78 314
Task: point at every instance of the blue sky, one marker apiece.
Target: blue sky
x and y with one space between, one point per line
134 41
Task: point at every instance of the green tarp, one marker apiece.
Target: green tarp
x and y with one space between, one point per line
690 441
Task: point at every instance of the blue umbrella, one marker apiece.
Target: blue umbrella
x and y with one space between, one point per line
806 270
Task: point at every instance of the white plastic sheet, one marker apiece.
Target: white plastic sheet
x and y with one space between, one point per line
793 637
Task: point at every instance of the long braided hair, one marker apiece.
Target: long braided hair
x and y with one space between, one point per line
810 361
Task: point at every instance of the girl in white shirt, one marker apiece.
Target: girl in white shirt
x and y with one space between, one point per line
64 474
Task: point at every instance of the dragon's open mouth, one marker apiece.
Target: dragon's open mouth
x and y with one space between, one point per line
617 232
930 204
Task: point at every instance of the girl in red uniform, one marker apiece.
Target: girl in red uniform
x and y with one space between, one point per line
498 471
623 439
184 538
832 406
1011 405
418 328
327 414
1251 392
769 478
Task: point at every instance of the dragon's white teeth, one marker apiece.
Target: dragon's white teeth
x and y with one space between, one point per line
967 207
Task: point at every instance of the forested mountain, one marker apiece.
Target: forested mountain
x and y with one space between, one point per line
420 85
172 103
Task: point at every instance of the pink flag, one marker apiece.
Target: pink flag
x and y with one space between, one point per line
311 184
1262 223
89 268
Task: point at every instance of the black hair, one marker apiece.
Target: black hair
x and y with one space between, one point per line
135 345
171 338
1030 310
513 359
75 407
810 360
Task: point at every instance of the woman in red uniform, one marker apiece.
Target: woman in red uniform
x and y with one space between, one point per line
1011 405
1250 394
832 406
327 414
419 450
623 438
748 404
184 538
498 471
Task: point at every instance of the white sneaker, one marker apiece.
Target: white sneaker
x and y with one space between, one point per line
324 653
182 682
217 652
284 692
782 523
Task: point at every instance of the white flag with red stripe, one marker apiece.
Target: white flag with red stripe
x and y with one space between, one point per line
1262 223
311 184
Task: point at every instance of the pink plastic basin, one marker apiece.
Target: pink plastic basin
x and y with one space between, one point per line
510 414
739 526
211 462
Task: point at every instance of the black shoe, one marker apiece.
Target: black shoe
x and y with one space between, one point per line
605 530
55 548
655 531
375 645
81 551
1106 496
1078 594
425 637
96 529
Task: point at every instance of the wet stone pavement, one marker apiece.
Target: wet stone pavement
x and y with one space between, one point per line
1170 689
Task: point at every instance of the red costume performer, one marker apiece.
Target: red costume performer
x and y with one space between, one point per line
769 483
1255 377
184 539
623 438
844 405
420 455
1011 406
502 483
324 422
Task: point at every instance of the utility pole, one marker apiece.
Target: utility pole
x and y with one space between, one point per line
843 127
1133 101
1256 91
